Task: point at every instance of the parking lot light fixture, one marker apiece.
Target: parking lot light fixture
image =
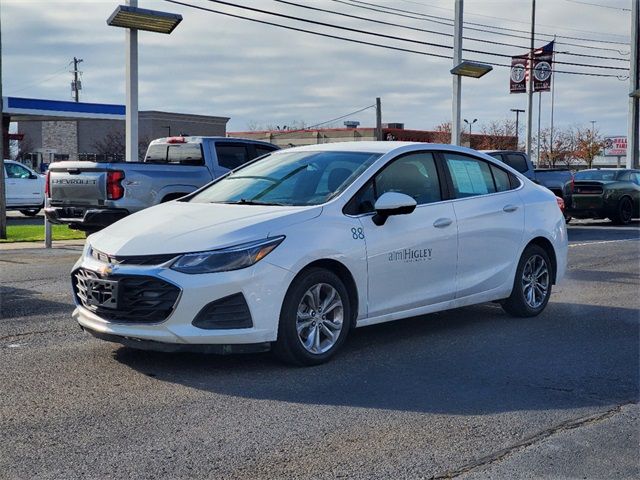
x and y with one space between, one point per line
467 68
126 16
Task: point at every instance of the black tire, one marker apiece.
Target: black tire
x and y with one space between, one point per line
31 212
517 303
624 212
289 347
567 219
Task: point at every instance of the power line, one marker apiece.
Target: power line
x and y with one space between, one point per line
25 86
310 127
491 26
512 20
416 29
424 17
599 5
362 42
396 38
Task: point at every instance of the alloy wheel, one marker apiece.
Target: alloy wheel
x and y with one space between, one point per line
320 318
535 281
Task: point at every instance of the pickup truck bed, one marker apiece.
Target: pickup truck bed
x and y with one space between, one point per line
91 195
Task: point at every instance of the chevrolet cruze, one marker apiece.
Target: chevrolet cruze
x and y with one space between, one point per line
294 250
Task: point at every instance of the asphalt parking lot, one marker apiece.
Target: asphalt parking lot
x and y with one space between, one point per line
470 393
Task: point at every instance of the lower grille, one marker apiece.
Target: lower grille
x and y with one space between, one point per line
228 312
125 298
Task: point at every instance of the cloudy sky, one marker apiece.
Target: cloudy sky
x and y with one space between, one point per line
255 73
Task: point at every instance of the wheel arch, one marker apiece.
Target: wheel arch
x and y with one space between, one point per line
547 246
344 274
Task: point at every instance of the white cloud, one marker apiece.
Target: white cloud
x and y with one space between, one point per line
223 66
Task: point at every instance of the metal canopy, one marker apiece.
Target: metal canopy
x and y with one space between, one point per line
143 19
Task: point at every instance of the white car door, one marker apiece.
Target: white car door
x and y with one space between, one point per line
411 258
490 218
22 189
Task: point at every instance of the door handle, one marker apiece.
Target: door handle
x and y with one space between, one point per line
442 222
510 208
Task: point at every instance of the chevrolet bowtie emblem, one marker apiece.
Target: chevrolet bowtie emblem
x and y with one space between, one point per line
106 270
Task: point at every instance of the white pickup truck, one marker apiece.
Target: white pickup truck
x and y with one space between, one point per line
91 195
24 188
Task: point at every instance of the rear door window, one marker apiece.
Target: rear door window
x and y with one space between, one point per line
263 150
470 176
231 155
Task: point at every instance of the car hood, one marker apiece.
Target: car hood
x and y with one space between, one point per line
180 227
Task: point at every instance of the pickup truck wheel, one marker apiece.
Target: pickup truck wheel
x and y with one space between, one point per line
532 284
31 212
314 320
624 212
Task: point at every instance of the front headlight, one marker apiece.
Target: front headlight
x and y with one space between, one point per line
225 259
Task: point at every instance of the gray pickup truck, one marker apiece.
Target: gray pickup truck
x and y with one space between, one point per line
554 179
91 195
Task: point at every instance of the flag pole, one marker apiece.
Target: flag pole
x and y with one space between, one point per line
553 94
530 80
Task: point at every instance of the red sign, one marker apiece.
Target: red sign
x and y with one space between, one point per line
615 146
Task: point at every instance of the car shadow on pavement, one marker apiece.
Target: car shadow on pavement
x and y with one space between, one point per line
475 360
20 302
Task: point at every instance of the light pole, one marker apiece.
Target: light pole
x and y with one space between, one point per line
470 124
518 112
132 18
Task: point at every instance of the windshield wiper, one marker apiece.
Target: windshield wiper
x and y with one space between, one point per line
244 201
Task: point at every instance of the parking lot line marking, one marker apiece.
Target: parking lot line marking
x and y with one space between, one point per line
603 241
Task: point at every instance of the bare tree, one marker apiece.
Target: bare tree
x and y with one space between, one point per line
497 135
23 148
442 133
562 151
113 145
589 143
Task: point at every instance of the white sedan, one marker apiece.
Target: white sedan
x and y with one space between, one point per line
294 250
24 188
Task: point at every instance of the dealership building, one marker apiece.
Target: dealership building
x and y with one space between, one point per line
50 130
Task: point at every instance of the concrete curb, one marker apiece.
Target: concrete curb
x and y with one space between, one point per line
40 245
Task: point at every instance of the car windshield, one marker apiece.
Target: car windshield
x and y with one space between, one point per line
289 178
596 175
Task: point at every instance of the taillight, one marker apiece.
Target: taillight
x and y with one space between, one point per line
47 188
560 204
115 190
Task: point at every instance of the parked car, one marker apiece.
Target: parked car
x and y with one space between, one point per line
91 195
605 193
293 251
24 188
552 178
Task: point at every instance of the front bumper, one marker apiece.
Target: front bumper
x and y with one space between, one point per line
263 286
83 219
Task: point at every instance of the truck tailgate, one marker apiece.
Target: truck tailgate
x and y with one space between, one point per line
77 184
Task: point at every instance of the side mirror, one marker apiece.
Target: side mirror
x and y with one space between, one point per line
392 203
33 176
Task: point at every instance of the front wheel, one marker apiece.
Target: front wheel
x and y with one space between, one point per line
532 284
315 318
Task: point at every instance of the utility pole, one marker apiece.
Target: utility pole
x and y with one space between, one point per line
518 112
76 85
530 81
633 143
538 137
131 73
3 202
457 79
378 120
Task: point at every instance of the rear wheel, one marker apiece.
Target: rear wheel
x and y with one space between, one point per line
315 317
624 212
532 284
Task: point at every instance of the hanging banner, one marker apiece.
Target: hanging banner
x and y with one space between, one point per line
543 68
518 77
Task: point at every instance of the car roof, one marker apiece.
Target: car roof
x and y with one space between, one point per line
379 147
